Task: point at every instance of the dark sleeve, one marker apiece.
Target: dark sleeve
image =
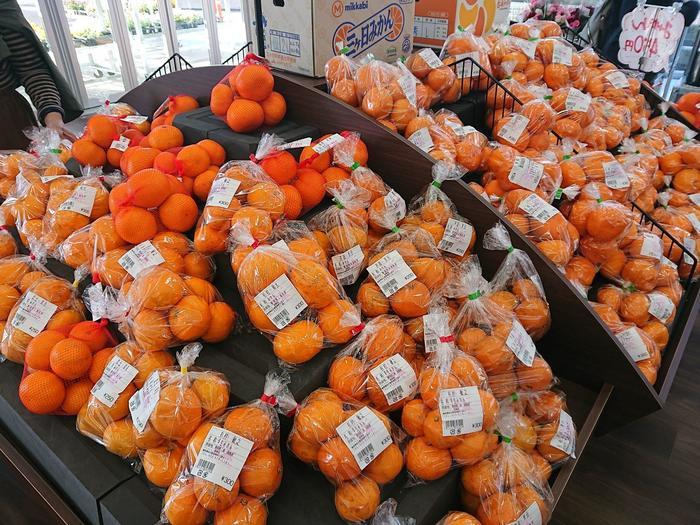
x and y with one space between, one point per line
32 72
689 10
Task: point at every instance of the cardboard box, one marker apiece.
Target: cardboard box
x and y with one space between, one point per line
301 36
435 20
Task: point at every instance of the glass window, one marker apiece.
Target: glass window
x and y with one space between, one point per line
89 25
192 36
230 26
146 35
30 10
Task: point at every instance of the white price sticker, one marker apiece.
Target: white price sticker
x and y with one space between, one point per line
695 198
115 378
33 314
633 344
391 273
515 126
222 456
395 205
668 262
652 246
50 178
526 46
565 438
537 208
301 143
468 70
562 54
365 435
348 265
81 200
689 244
436 332
222 192
143 402
694 221
531 516
526 173
328 143
140 257
457 237
281 245
422 139
430 58
461 411
135 119
615 176
281 302
396 378
97 301
120 144
520 343
577 100
660 306
617 79
407 83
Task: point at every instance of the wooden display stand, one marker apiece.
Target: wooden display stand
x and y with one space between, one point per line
603 385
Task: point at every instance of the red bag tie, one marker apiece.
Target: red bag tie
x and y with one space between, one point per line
268 399
292 412
447 338
357 329
253 158
95 278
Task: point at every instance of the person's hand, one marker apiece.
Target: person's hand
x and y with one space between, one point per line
54 120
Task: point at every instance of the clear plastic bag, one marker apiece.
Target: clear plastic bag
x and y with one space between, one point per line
8 246
459 46
563 67
458 518
437 78
357 448
386 515
641 348
231 464
516 284
532 28
340 71
574 112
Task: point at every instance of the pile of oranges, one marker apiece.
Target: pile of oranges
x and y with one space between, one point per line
62 365
688 104
246 99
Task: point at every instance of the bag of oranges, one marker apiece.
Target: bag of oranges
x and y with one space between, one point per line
61 367
273 157
612 83
345 226
516 285
528 127
574 112
46 302
641 347
231 464
563 67
386 93
438 79
638 307
458 518
533 28
291 296
386 515
677 131
377 368
11 163
340 71
242 191
8 246
357 448
433 211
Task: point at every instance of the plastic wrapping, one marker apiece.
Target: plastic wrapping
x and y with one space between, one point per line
516 284
291 296
535 29
377 368
357 448
527 127
563 67
340 72
574 112
8 246
231 464
458 518
386 515
241 191
437 78
640 346
612 83
458 46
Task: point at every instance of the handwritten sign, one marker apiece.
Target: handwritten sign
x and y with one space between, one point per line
649 37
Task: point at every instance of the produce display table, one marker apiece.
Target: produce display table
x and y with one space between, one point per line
604 387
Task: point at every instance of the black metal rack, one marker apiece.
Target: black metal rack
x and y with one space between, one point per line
237 57
175 63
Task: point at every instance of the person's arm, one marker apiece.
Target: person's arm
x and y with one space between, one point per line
34 75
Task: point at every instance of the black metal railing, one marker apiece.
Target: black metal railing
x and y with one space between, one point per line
175 63
575 39
238 56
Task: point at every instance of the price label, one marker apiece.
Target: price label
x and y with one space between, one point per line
537 208
407 83
694 221
301 143
422 139
515 126
121 144
617 79
565 438
395 205
115 378
81 200
96 299
222 192
430 58
633 344
668 262
652 246
143 402
526 46
222 456
615 176
695 198
436 332
526 173
33 314
396 378
328 143
531 516
348 265
391 273
469 70
135 119
461 411
562 54
365 435
281 245
281 302
457 237
49 178
140 257
577 100
660 306
521 344
464 131
688 244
